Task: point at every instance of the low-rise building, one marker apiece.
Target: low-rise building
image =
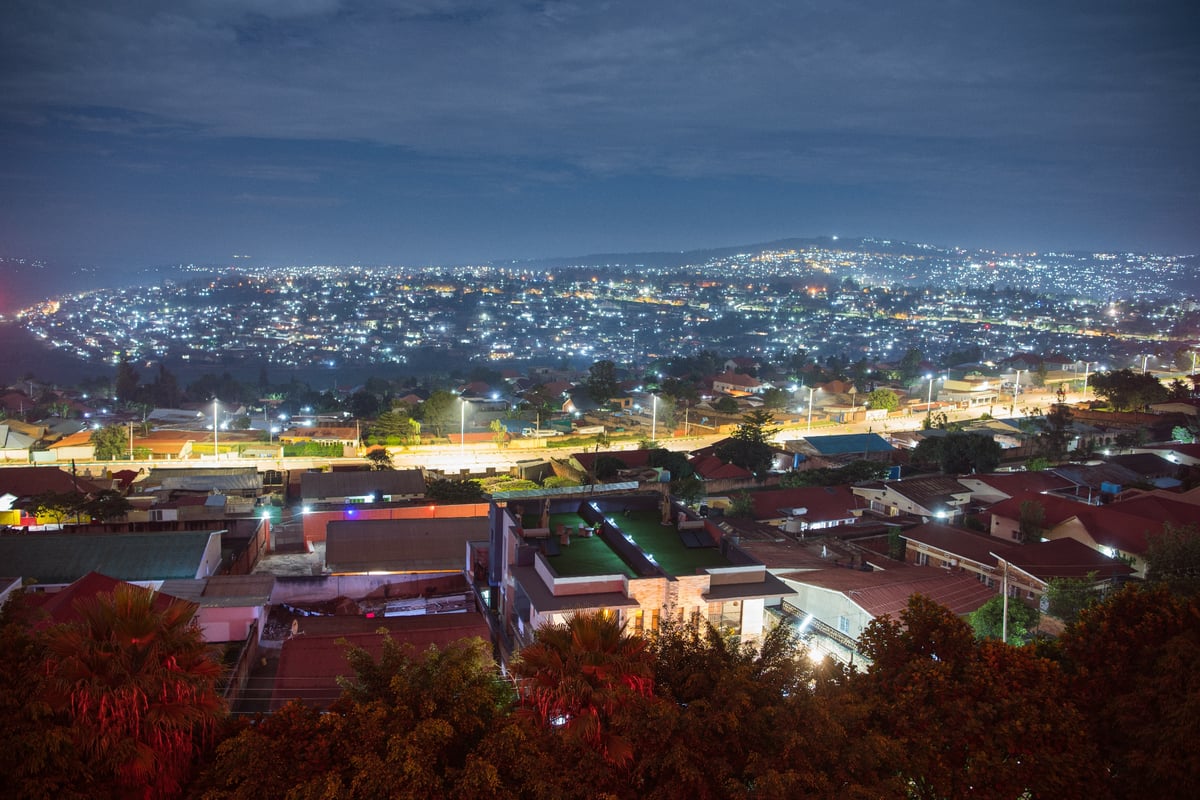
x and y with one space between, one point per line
636 556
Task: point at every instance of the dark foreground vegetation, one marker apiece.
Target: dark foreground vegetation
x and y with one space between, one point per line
122 706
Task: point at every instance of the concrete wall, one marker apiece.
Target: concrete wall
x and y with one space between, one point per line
317 588
315 522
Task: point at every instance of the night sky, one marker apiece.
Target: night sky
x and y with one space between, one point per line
446 131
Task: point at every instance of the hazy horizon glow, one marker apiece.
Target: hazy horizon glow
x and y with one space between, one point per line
451 131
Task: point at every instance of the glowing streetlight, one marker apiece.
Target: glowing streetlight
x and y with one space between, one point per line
811 389
216 453
929 399
462 426
654 418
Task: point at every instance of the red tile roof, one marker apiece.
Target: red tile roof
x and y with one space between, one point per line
823 502
886 592
30 481
1122 525
1014 483
1061 558
634 459
54 608
309 666
712 468
738 379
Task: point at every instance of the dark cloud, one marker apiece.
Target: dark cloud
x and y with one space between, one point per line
1022 103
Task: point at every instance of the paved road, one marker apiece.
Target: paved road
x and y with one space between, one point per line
478 458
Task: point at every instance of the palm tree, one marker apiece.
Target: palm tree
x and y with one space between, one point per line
133 676
579 675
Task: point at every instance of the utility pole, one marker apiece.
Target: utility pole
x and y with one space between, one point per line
1004 590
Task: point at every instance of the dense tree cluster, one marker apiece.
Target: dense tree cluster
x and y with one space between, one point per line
1126 390
749 447
122 705
117 704
957 453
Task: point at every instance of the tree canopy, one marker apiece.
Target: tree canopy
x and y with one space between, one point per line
883 398
118 703
110 442
602 381
957 452
1126 390
749 446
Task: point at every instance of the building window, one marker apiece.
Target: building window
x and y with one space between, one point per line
726 616
844 624
638 621
654 620
922 559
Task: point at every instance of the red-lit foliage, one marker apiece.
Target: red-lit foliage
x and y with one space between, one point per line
137 687
579 675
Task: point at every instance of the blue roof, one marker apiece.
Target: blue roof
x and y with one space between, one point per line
844 443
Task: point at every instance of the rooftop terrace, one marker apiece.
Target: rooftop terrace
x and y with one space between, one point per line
593 556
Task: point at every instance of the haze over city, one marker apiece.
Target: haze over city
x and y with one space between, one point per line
461 131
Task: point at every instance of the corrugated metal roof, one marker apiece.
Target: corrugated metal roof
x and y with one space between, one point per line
385 482
849 443
63 558
598 488
30 481
223 591
237 482
401 545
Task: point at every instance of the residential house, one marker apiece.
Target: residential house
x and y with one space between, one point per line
1118 529
834 605
972 391
55 560
48 608
20 485
612 553
927 496
72 447
991 488
14 445
809 510
1030 567
229 607
1184 454
1096 482
346 438
362 486
737 384
421 546
1150 468
312 663
845 447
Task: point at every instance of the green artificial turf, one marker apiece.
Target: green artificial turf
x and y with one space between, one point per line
662 541
584 555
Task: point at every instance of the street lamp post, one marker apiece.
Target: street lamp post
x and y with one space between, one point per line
462 426
654 417
929 401
811 389
1145 358
216 452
